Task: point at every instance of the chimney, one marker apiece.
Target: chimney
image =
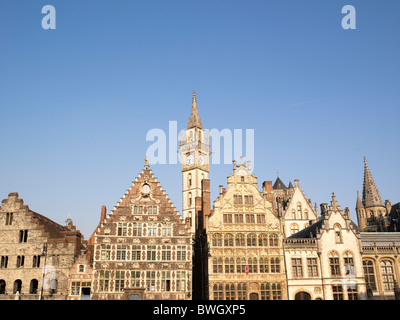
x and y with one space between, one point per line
296 183
324 209
206 199
103 214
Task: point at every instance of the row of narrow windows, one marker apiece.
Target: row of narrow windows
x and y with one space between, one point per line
143 253
33 286
250 265
20 261
152 280
150 229
268 291
242 240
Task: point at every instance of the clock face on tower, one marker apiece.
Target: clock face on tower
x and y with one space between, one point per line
201 160
190 160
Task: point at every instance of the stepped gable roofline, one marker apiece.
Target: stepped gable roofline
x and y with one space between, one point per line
53 230
145 176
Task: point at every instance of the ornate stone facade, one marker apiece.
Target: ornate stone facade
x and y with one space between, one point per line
323 261
246 254
142 247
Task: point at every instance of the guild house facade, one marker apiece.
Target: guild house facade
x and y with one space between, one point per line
249 243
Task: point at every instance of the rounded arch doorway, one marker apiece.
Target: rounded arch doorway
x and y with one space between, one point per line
302 295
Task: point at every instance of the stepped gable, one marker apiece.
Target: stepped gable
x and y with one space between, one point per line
144 191
51 229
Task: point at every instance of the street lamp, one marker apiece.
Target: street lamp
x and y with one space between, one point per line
44 254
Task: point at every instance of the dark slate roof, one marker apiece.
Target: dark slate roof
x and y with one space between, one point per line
309 232
279 184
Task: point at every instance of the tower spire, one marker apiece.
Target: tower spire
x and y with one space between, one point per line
370 195
194 120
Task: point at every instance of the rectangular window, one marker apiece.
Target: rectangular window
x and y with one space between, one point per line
36 261
335 267
248 200
20 261
137 209
227 218
4 262
119 280
337 291
250 218
151 280
180 280
152 229
237 199
166 253
352 293
165 280
181 253
23 235
9 218
297 269
75 288
136 229
260 218
312 267
135 279
104 280
121 252
105 252
136 252
238 218
166 230
151 253
152 209
122 228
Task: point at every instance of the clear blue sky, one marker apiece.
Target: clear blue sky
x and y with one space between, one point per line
76 102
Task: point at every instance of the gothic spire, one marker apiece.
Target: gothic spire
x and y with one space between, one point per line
194 120
359 203
370 196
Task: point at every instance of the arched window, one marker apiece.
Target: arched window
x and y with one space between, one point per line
251 240
387 274
293 214
338 233
263 240
217 240
334 263
230 292
17 286
190 199
349 269
228 240
299 211
218 291
2 287
294 228
305 215
369 273
240 240
229 265
273 240
33 286
189 179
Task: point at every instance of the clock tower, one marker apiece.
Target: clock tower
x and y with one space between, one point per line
195 153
